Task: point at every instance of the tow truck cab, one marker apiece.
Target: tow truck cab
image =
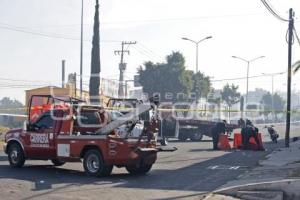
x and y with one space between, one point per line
67 130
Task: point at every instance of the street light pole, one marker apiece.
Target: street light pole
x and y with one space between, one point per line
272 90
247 90
248 66
81 49
197 44
197 47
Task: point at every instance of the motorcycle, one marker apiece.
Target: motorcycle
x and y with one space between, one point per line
273 133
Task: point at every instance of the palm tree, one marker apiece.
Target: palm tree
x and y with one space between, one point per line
296 66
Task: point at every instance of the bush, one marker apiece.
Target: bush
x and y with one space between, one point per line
3 130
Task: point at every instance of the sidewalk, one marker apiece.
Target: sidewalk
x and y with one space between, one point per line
277 177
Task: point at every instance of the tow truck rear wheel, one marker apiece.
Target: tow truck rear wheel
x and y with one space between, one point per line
16 155
182 137
94 165
57 162
138 169
196 136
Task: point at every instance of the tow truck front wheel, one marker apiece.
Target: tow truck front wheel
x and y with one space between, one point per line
16 156
94 165
138 169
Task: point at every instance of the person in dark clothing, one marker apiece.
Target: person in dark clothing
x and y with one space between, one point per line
216 130
248 131
241 123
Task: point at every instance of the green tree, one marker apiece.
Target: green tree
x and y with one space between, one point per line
201 84
95 63
278 103
215 98
266 101
296 66
230 95
10 106
169 77
172 77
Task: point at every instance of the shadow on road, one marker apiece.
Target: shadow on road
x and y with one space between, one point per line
196 177
187 141
3 158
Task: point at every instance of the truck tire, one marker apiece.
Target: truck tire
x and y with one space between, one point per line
57 162
138 169
182 137
196 136
16 155
94 165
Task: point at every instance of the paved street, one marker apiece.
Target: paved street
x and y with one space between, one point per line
188 173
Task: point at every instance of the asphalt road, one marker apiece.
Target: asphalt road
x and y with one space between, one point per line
193 170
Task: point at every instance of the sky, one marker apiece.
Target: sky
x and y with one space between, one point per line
35 35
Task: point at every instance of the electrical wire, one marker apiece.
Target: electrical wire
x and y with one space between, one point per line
143 53
272 11
287 37
150 51
19 80
241 78
297 37
47 35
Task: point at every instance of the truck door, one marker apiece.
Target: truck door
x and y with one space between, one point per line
41 143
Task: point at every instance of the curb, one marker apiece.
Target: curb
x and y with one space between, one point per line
290 188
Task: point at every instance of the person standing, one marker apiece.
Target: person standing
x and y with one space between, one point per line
216 130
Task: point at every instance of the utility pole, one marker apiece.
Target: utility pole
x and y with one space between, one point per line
289 78
81 48
122 66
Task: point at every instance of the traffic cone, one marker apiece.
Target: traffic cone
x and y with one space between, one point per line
237 140
224 142
253 144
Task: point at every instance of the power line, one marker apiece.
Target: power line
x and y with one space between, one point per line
27 81
140 21
241 78
145 54
28 31
150 51
297 37
272 11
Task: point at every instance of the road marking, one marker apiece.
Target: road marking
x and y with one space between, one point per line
234 167
226 167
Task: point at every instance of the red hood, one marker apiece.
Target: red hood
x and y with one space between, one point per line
15 130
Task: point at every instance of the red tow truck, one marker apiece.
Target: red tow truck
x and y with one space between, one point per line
64 129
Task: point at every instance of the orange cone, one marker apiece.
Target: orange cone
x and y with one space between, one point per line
224 142
237 141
